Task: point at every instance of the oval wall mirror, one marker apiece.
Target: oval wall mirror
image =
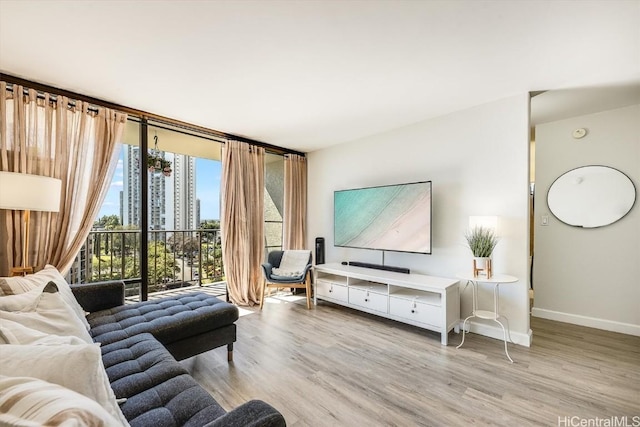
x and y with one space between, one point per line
591 196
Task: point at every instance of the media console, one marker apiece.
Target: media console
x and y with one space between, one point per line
425 301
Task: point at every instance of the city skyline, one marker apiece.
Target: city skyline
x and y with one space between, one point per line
207 178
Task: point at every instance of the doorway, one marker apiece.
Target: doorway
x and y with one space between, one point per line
584 275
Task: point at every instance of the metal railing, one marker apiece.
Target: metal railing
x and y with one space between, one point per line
175 259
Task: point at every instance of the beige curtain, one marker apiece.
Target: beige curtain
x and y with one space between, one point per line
60 139
295 202
242 220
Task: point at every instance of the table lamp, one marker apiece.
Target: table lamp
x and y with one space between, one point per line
25 192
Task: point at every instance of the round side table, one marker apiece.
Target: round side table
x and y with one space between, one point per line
496 280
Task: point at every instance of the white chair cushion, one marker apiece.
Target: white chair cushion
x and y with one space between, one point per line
292 264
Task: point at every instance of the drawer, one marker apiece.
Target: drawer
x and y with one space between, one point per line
331 290
367 299
415 311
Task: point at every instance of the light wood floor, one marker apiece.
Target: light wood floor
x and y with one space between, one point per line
332 366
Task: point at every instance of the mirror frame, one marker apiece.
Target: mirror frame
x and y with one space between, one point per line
573 220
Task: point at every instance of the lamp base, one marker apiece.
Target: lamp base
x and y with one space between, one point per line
21 271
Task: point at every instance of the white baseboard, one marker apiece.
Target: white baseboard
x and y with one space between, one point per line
591 322
492 331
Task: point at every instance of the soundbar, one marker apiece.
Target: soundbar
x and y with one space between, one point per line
377 266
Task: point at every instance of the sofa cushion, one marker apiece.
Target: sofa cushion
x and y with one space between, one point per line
159 391
168 319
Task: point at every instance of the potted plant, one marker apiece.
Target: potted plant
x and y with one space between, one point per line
481 241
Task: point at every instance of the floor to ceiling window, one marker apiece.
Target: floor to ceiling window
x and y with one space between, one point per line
273 201
181 245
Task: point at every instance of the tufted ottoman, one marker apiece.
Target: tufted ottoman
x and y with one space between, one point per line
186 325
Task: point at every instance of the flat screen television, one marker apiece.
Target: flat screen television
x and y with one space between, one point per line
387 218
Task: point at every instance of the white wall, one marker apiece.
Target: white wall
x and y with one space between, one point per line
477 160
588 276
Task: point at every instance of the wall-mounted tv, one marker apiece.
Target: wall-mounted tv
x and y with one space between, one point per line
387 218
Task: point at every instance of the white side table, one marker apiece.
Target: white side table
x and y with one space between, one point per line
494 315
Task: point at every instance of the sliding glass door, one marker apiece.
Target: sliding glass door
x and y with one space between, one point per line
159 227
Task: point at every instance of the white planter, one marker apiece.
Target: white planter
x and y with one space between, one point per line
482 267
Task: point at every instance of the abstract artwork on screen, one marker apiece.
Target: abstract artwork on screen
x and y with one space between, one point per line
391 218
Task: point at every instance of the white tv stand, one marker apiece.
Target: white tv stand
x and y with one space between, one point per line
425 301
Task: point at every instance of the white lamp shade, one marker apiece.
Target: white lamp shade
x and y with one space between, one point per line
20 191
487 222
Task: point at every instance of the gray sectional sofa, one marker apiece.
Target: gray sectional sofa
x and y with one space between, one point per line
117 365
141 344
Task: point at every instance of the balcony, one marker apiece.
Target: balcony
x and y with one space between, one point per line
176 259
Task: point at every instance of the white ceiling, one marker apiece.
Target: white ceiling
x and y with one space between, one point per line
309 74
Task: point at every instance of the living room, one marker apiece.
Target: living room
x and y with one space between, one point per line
462 121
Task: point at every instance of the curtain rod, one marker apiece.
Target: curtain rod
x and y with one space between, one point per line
52 96
94 109
53 91
181 131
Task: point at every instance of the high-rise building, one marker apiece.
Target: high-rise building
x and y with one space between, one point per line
157 200
131 187
121 206
184 192
172 200
198 213
81 270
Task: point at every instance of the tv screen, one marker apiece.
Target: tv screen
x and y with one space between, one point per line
388 218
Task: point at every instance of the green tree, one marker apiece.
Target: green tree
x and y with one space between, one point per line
180 243
126 240
161 264
210 224
107 222
212 263
105 268
105 242
212 231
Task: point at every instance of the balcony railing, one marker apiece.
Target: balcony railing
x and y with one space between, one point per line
175 259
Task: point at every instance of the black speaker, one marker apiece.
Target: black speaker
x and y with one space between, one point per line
319 250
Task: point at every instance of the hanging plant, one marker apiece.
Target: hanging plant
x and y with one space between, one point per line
157 163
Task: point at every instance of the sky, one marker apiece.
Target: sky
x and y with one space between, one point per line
208 173
207 189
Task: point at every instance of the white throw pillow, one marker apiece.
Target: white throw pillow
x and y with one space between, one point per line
15 333
76 367
50 314
33 402
22 284
22 302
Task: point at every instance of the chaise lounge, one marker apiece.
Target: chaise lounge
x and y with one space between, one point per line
186 325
